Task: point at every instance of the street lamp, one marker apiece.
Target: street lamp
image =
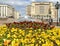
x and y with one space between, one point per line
50 22
42 18
57 7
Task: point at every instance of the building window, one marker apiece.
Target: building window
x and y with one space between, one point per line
42 9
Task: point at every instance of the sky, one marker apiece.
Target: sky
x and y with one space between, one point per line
20 5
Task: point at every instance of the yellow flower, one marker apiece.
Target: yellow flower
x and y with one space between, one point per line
14 36
3 26
22 32
16 44
37 45
39 29
13 29
53 37
58 42
43 44
28 35
37 37
49 43
40 42
32 40
1 34
54 33
21 40
43 34
13 43
31 44
0 44
30 31
8 35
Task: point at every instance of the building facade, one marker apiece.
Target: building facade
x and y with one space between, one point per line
39 9
7 11
28 10
17 15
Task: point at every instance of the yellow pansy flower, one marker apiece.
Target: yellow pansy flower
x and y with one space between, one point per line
58 42
32 40
43 44
13 29
37 45
30 31
8 35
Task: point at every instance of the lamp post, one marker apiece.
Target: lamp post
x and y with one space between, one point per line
57 7
50 20
50 16
42 18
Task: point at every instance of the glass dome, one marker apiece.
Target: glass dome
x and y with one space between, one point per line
26 18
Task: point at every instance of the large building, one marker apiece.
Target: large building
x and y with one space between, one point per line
7 11
8 14
39 9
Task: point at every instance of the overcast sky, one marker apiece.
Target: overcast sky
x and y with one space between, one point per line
20 5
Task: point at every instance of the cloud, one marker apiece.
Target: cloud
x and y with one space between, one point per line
15 2
48 0
32 0
53 0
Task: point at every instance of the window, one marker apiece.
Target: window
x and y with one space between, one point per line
42 9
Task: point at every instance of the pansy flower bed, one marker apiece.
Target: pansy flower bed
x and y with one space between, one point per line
29 34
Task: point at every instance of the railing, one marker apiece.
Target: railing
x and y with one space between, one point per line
43 18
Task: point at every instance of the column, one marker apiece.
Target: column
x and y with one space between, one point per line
1 11
6 11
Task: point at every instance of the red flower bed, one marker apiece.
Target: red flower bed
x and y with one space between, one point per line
30 24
